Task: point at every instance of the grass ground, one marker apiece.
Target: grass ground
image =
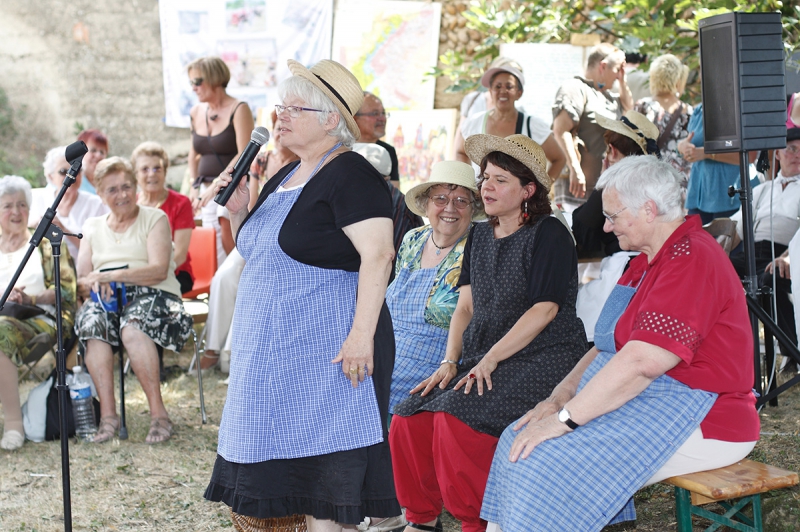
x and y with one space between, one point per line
131 486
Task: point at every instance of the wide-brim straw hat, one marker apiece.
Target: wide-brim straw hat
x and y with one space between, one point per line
636 127
522 148
445 173
338 84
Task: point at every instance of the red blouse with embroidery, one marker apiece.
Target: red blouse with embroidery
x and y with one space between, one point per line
691 302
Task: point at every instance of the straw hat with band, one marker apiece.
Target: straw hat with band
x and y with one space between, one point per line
338 84
445 173
520 147
502 64
636 127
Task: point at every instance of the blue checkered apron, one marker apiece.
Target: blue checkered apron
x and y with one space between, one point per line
420 345
285 398
586 479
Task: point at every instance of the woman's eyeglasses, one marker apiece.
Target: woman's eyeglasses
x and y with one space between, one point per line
63 171
610 217
294 111
196 82
375 114
459 202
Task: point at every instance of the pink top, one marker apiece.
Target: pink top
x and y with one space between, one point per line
789 123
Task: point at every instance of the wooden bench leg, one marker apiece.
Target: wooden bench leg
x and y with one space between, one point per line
683 509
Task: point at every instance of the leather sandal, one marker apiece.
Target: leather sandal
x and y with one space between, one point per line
427 528
108 427
160 430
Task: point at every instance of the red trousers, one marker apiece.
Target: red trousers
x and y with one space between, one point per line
437 460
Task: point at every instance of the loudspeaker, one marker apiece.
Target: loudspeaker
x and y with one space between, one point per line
743 80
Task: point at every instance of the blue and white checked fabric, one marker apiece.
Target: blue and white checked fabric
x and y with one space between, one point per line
420 345
285 398
585 479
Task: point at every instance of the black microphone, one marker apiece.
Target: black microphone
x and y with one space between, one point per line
258 138
75 151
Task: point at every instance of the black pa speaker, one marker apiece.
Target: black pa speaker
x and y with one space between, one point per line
744 93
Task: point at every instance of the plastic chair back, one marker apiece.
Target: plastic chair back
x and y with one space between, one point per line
203 248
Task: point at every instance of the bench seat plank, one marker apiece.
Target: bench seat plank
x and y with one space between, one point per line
738 480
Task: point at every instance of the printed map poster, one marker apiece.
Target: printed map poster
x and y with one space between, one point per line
545 67
253 37
390 46
421 139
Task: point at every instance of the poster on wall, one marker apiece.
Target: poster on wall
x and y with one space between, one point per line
253 37
421 138
390 46
545 67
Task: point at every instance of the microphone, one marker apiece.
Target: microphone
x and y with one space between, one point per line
75 151
258 138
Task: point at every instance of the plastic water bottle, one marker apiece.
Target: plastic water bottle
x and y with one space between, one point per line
80 392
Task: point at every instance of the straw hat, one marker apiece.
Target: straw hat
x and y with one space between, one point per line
635 126
520 147
338 84
503 64
445 173
376 155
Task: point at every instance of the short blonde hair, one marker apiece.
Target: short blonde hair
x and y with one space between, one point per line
112 165
150 149
213 70
667 74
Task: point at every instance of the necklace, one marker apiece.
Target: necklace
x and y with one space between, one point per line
438 248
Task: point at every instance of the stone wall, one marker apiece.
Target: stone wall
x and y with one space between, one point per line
72 63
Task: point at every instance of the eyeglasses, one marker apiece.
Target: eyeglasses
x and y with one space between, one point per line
63 171
375 114
610 217
196 82
793 149
458 202
294 111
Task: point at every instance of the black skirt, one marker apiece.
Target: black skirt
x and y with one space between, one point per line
343 486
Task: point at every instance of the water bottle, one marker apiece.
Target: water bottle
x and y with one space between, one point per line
80 392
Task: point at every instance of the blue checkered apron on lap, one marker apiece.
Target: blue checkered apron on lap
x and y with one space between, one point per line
420 345
586 479
285 398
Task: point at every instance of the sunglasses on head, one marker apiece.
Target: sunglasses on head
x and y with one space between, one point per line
196 82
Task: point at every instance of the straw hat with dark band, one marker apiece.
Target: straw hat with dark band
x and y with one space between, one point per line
445 173
338 84
520 147
636 127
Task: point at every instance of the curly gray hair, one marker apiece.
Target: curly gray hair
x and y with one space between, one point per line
14 184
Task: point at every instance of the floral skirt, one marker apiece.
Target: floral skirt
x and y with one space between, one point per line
158 314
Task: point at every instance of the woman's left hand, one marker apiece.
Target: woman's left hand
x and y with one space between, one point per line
18 296
356 357
535 433
482 372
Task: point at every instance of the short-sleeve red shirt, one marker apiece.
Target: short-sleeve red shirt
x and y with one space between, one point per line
691 302
179 212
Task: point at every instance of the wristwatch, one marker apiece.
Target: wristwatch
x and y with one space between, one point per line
565 418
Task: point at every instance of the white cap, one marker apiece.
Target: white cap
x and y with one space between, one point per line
77 369
376 155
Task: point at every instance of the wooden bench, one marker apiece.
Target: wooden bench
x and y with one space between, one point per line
745 481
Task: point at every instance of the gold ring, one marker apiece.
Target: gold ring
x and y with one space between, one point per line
353 371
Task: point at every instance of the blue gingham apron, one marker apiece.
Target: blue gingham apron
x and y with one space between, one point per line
586 479
420 345
285 398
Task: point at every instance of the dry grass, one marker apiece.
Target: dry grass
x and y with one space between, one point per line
128 485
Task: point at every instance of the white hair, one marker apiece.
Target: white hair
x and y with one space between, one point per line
52 159
643 178
316 99
14 184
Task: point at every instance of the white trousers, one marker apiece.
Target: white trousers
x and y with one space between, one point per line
222 300
210 218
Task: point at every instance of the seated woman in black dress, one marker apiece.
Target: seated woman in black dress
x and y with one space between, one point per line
514 332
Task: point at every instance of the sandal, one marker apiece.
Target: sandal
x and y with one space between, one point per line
427 528
12 440
108 427
212 361
160 430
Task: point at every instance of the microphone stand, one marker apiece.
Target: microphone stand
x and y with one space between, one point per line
46 229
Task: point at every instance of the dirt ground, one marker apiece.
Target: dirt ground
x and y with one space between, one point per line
131 486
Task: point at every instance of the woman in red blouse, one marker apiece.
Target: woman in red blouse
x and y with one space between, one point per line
665 391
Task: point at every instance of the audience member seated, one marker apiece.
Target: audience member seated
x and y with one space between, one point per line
371 121
35 287
505 83
665 391
129 246
97 142
513 336
76 206
776 218
150 162
578 103
666 110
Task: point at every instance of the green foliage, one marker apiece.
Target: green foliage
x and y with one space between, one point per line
31 168
651 27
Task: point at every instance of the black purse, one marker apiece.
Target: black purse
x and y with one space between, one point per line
20 311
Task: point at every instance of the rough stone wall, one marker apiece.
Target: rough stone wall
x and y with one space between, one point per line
98 64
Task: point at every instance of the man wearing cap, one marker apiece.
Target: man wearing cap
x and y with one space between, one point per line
776 220
371 120
579 102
